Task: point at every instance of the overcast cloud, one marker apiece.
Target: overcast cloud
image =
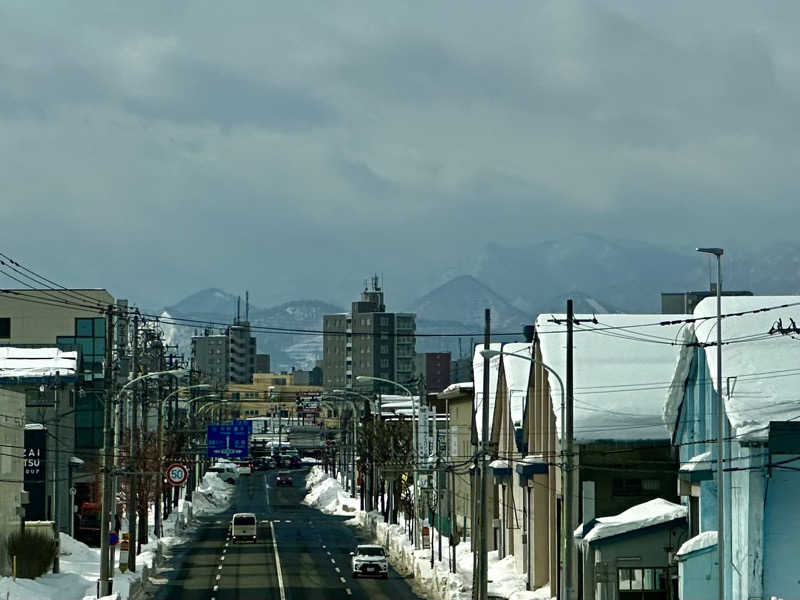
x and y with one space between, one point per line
291 148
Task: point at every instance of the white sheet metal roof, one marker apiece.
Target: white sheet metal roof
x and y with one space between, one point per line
37 362
623 366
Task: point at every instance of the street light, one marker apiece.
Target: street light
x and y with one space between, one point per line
489 354
415 443
104 583
337 394
718 252
160 445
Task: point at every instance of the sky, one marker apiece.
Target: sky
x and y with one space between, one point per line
293 148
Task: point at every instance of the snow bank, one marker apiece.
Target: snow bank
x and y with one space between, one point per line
327 494
212 495
640 516
438 582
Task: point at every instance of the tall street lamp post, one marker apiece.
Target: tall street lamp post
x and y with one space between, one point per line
106 572
160 444
718 252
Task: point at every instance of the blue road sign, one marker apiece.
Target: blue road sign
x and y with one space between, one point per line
228 441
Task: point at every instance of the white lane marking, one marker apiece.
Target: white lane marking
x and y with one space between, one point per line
349 593
277 562
218 577
337 569
342 580
216 587
323 547
222 557
328 552
219 568
333 560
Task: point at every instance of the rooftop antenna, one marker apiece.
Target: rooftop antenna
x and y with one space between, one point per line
238 307
246 305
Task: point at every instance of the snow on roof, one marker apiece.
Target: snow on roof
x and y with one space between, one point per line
465 386
762 391
647 514
707 539
622 365
477 377
36 362
517 372
701 462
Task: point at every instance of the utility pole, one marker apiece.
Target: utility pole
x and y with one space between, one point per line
483 515
104 585
56 463
569 482
133 430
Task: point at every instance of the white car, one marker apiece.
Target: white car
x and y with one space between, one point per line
243 528
370 559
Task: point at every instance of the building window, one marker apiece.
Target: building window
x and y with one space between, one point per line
648 579
384 349
5 327
384 321
384 363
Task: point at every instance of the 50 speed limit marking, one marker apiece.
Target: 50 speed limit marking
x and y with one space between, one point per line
177 474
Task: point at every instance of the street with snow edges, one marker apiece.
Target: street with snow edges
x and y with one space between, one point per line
305 536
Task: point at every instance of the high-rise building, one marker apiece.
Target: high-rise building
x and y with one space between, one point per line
368 341
228 357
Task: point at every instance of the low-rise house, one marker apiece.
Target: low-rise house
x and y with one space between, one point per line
12 422
621 452
46 377
761 478
459 398
630 553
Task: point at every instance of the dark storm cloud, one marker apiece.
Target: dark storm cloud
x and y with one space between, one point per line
386 133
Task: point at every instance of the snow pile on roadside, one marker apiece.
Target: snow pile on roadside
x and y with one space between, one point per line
327 494
212 495
80 570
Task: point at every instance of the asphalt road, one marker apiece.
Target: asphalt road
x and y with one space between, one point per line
301 554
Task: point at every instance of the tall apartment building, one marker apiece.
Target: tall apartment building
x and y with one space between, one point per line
368 341
228 357
243 352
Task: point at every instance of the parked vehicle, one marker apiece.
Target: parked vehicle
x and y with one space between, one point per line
284 478
88 530
244 528
226 472
370 559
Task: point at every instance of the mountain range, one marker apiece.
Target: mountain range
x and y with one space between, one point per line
600 275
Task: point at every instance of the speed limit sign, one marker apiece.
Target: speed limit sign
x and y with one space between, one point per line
177 474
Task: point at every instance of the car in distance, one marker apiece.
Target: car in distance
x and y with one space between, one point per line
370 559
283 478
244 467
243 528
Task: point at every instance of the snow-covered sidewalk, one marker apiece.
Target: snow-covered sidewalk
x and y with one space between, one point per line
327 495
80 564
